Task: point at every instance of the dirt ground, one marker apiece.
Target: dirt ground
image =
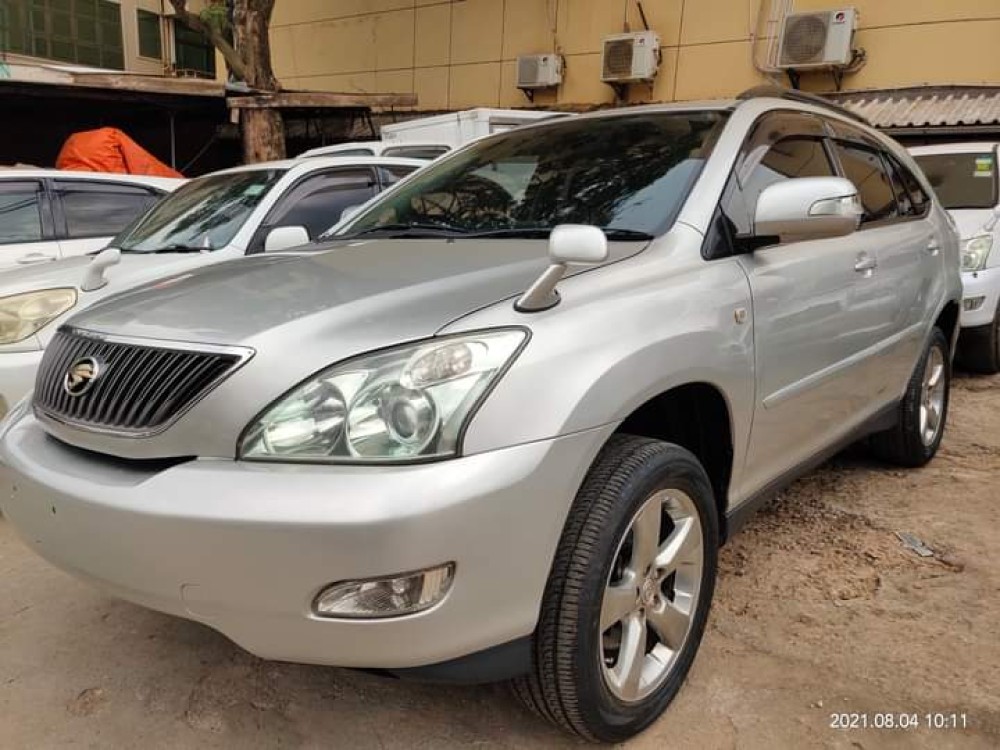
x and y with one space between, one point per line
821 610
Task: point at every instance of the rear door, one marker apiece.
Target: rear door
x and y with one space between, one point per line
891 297
26 228
89 213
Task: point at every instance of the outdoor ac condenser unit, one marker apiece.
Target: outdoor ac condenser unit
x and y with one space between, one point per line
539 71
630 58
820 39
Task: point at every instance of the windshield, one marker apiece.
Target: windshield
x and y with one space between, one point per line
962 180
628 173
204 214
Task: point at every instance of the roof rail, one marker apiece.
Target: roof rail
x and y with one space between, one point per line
794 95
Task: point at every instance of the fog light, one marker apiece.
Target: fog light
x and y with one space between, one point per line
395 596
969 304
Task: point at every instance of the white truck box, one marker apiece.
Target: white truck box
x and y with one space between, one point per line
458 128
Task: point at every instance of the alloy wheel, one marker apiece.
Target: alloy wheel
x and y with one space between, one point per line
932 396
651 595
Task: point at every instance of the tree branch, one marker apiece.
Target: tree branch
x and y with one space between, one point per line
194 22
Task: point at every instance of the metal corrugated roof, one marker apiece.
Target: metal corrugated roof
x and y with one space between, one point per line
926 107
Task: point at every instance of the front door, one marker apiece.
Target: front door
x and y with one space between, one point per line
807 331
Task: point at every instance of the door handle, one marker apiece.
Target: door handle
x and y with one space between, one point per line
933 246
866 264
30 258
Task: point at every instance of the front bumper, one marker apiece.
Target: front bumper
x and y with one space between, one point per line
17 375
983 287
244 547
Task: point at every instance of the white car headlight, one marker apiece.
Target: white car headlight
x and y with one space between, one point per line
407 403
975 252
21 315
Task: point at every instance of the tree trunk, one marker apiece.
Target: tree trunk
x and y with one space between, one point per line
263 135
263 129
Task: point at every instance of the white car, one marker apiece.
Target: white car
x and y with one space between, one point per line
406 150
48 214
964 175
221 216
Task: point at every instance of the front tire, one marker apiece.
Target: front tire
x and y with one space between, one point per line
923 413
628 597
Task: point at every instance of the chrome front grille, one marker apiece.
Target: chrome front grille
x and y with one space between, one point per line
138 389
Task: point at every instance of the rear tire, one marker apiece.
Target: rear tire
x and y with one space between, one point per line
979 348
628 596
923 412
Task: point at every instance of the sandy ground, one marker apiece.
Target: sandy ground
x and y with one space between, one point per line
820 611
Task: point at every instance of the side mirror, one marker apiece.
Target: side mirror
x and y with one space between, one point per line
808 208
282 238
581 244
95 278
578 243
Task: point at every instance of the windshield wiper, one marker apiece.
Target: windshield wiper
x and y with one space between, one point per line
613 234
413 229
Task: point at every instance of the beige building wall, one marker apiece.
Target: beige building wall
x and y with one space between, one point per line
461 53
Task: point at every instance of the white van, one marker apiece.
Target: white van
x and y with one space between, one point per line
964 175
431 137
459 128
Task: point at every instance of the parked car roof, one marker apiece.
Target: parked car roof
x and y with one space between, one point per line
320 162
376 146
166 183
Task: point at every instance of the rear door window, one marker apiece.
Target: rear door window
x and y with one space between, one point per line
93 209
918 196
906 207
21 211
864 167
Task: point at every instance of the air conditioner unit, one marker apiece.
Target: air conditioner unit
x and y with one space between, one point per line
539 71
630 58
820 39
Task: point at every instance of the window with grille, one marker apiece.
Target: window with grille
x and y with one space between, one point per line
88 32
150 42
192 51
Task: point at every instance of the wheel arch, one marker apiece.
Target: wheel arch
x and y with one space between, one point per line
696 416
948 321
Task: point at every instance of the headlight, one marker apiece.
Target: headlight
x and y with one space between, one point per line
407 403
976 252
21 315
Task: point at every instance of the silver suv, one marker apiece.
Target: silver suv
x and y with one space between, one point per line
427 448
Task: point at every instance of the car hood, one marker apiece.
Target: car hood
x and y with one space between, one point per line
360 294
299 312
970 221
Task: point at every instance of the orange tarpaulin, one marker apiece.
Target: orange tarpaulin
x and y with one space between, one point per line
110 150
